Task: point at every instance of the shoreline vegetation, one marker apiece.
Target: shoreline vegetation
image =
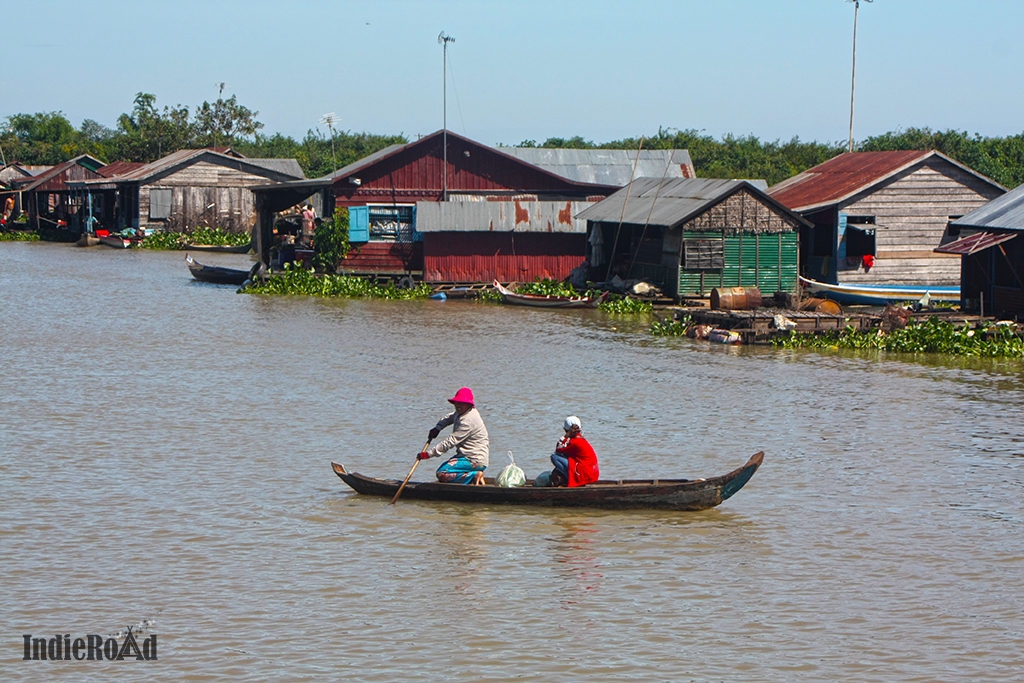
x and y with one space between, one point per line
988 339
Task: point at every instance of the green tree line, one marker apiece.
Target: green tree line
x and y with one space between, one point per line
148 132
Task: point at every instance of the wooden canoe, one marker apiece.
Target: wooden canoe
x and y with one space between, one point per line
539 301
218 275
648 494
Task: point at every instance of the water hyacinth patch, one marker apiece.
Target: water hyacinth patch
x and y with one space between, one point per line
671 328
626 305
19 236
991 340
200 235
297 280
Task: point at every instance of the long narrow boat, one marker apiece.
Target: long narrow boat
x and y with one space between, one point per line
651 494
540 301
218 275
879 295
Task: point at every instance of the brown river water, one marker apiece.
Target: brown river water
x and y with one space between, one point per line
165 451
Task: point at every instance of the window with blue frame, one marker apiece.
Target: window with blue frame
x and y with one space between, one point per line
392 222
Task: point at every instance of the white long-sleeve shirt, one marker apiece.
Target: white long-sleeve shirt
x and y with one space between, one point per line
468 437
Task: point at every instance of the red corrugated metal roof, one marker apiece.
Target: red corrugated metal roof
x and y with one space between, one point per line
119 168
972 244
842 177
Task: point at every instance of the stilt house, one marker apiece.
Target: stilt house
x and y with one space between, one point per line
689 236
451 210
877 217
184 190
992 270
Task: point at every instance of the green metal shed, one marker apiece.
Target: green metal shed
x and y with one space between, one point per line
690 235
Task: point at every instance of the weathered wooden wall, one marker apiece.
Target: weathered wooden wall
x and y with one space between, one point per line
194 188
742 212
912 213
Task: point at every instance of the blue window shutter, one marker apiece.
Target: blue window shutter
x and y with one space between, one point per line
417 236
358 224
841 253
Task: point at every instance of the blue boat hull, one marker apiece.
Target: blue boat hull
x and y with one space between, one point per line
879 295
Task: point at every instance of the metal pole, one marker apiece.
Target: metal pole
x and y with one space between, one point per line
444 118
853 75
444 40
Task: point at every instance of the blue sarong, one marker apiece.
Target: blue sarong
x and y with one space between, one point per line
458 470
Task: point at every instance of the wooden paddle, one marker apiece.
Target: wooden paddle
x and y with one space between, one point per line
409 476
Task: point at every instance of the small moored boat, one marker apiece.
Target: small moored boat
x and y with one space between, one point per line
652 494
879 295
117 241
540 301
218 275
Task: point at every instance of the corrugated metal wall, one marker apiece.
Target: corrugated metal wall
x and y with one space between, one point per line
765 261
508 257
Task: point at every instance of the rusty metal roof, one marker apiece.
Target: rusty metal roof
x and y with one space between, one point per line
607 166
1005 212
16 171
119 167
849 174
554 171
972 244
183 157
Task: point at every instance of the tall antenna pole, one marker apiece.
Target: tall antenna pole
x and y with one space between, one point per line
329 120
853 76
444 40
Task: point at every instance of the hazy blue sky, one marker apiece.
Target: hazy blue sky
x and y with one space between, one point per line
530 69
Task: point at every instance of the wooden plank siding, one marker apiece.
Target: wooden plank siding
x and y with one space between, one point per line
912 212
194 188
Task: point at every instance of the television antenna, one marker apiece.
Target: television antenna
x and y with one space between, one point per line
329 119
443 39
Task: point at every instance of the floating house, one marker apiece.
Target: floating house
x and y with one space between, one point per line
54 209
877 217
452 210
12 175
184 190
992 270
688 236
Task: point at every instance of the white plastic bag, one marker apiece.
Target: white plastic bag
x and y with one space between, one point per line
511 475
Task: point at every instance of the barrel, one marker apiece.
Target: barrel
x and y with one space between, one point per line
735 298
821 306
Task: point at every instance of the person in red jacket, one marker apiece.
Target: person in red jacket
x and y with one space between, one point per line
574 458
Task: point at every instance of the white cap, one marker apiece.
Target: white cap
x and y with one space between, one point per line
572 421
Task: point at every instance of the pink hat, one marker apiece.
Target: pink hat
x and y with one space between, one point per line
463 395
